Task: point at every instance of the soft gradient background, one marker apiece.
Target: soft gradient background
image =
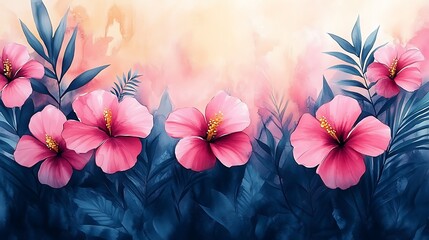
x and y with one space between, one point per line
194 48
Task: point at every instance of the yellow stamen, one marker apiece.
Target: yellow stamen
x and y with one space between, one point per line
392 69
108 119
7 68
213 125
329 129
51 143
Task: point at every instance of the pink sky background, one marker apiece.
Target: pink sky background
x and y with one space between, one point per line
194 48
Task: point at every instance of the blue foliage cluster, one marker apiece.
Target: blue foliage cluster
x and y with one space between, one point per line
271 197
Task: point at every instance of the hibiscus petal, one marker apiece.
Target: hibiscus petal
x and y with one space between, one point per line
370 137
409 57
186 122
377 71
195 153
3 81
343 167
341 113
132 119
50 122
118 154
81 137
16 92
233 149
30 151
386 54
311 143
387 88
90 107
17 55
77 161
409 79
235 114
55 172
31 69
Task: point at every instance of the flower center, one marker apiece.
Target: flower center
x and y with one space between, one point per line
329 129
51 143
392 69
213 125
107 113
7 68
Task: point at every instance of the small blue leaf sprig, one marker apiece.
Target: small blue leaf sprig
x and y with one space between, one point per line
50 51
126 85
357 69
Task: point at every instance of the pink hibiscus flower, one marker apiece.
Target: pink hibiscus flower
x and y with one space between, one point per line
111 127
332 141
218 135
47 144
16 73
395 67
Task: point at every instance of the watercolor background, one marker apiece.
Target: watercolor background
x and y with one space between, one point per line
195 48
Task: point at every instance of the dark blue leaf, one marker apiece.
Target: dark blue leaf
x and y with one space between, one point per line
58 39
69 54
356 96
43 23
347 69
386 105
351 83
25 114
344 44
4 146
344 57
7 113
34 43
39 87
371 58
325 95
84 78
165 106
369 43
49 73
357 37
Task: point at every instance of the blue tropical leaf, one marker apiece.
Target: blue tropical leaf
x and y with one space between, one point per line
83 79
347 69
69 53
58 39
369 43
357 38
24 115
356 96
370 58
344 44
343 57
325 95
352 83
43 23
49 73
39 87
34 43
